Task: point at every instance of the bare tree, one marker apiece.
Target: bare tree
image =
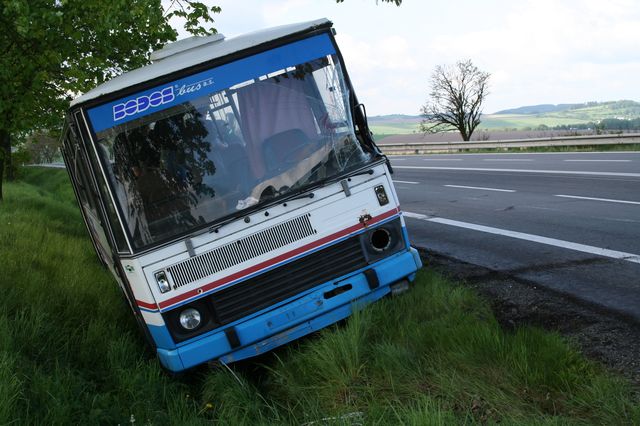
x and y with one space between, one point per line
456 99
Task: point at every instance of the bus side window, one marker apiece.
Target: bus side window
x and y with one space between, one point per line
87 197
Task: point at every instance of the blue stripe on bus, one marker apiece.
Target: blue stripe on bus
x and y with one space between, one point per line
185 89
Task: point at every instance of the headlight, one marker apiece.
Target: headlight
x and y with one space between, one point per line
163 282
190 318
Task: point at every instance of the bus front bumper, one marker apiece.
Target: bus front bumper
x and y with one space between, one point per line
298 318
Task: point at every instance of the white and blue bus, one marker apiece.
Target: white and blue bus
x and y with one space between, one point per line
235 192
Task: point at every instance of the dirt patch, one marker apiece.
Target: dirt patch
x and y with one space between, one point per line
601 335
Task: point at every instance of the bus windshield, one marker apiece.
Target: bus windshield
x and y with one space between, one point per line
197 162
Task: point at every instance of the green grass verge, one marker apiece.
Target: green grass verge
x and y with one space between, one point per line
70 352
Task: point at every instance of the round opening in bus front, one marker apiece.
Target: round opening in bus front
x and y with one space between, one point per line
380 239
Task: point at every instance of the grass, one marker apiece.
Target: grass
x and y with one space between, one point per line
70 352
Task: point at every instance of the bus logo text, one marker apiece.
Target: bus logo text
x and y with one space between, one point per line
194 87
142 103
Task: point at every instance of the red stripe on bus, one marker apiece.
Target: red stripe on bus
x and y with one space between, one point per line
281 258
146 305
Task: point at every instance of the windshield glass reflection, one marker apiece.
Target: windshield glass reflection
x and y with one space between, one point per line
190 165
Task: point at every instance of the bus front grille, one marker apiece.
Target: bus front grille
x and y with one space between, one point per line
239 251
287 280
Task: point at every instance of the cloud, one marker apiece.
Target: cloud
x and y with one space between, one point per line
554 51
538 51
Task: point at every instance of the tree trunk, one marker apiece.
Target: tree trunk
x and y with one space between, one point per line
5 142
1 173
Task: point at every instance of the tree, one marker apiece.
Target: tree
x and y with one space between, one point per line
42 147
52 50
455 101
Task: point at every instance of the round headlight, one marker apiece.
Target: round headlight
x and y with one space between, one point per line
190 318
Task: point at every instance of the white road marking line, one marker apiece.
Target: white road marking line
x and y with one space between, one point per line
415 215
598 199
506 159
406 181
553 172
614 254
480 187
442 159
598 161
397 159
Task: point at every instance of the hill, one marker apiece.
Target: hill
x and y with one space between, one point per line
563 114
394 117
521 118
625 107
537 109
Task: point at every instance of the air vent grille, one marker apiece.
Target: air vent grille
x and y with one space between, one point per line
279 284
239 251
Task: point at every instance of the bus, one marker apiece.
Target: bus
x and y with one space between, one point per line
235 192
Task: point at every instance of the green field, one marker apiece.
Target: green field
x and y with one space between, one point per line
489 122
400 128
525 121
589 113
70 352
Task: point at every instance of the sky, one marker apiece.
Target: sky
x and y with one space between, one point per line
537 51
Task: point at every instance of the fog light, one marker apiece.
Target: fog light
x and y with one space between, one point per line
163 282
190 318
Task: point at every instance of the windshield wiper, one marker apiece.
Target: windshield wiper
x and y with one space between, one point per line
301 196
337 178
364 172
216 226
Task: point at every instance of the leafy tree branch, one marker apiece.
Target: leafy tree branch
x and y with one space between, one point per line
54 50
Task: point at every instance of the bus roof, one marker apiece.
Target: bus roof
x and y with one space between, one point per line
195 51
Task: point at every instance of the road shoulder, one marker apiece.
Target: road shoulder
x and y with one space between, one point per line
601 335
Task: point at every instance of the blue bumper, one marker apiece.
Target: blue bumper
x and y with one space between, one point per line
312 312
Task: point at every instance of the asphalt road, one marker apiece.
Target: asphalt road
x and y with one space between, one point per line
566 221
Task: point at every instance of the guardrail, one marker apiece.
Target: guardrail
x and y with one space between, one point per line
56 165
436 147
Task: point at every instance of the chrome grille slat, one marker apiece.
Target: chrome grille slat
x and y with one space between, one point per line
239 251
